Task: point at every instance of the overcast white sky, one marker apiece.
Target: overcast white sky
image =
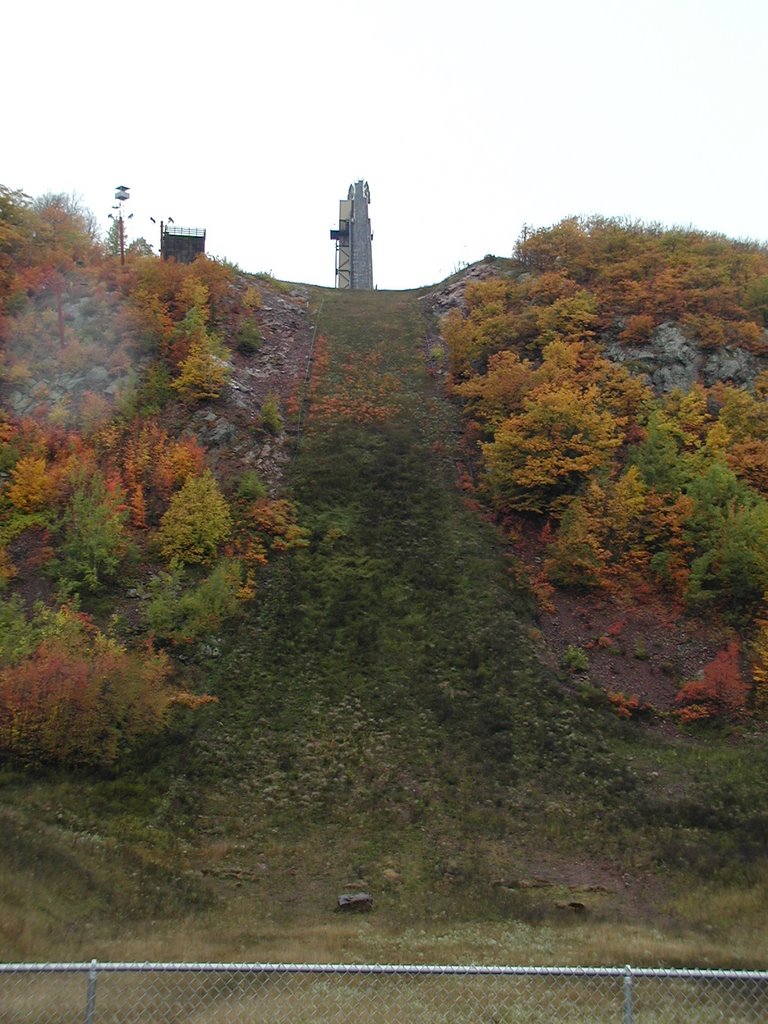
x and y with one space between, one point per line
468 118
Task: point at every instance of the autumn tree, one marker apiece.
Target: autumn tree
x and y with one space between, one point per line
749 461
756 298
569 318
550 447
95 540
198 520
720 693
577 557
202 373
493 396
15 240
689 416
31 487
72 696
153 466
665 540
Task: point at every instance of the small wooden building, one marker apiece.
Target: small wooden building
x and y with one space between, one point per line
182 244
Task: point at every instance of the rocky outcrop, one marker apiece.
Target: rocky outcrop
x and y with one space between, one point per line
39 394
229 427
670 359
450 294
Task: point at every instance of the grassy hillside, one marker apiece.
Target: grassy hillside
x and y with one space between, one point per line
384 722
304 592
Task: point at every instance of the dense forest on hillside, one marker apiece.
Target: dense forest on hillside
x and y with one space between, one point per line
633 489
276 568
98 483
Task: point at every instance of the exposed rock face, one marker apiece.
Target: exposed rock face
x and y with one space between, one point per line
732 364
36 396
450 294
670 359
227 428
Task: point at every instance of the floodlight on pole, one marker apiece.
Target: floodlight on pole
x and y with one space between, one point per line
122 192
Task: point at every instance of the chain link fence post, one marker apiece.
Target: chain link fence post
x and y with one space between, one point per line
90 1004
628 995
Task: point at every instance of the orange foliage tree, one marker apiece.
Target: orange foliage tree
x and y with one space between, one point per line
154 465
31 487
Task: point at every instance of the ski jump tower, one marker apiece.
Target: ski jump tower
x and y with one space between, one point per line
354 262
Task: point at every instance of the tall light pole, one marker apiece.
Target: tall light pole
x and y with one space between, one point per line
121 194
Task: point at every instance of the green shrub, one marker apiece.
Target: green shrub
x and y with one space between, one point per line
592 696
574 659
18 635
183 613
95 539
148 396
251 486
248 338
270 418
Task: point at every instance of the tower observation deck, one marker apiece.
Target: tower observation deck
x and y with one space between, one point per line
354 260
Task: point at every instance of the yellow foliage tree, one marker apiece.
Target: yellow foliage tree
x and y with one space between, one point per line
194 295
202 371
626 505
689 415
549 448
198 520
570 318
203 374
31 487
743 414
493 396
252 298
458 336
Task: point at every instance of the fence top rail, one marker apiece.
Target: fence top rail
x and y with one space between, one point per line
374 969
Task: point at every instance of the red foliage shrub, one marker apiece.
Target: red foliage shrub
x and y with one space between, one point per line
628 707
720 693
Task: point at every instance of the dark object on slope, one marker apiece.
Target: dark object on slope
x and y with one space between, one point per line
574 905
358 902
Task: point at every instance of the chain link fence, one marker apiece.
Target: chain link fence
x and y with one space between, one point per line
199 993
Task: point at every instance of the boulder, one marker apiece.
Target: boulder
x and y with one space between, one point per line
357 902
